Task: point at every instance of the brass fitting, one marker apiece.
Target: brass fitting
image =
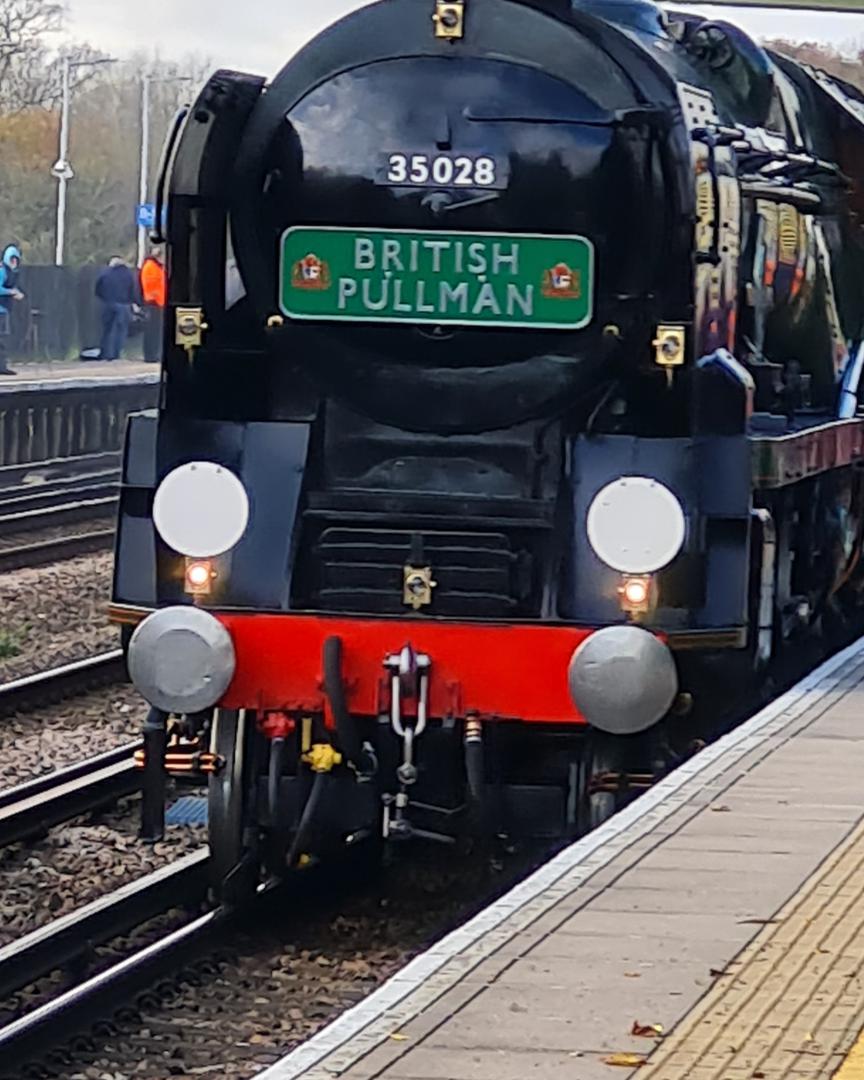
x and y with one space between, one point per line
417 586
473 729
182 762
669 345
449 19
189 327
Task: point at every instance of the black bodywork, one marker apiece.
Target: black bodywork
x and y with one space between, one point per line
694 162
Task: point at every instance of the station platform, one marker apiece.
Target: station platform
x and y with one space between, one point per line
713 930
47 374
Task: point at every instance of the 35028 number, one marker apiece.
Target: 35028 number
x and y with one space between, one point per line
442 170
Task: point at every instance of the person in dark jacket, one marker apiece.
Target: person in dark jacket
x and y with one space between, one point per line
117 290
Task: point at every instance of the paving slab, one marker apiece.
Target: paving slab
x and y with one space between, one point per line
440 1064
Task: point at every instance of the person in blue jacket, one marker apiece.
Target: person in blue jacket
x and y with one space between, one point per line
117 289
9 267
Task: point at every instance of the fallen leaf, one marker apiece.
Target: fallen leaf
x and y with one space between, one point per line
757 922
397 1037
631 1060
647 1031
632 975
758 1076
715 973
358 967
721 809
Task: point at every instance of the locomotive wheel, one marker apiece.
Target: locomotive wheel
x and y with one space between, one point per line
600 754
233 831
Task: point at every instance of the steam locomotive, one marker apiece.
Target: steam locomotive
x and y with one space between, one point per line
509 417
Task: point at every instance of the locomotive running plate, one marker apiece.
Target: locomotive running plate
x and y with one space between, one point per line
449 278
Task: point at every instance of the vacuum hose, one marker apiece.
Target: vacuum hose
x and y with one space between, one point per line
306 819
475 773
334 688
274 777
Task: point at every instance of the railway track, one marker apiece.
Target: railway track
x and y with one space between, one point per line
61 547
71 512
38 506
30 809
220 962
24 962
57 470
57 494
45 687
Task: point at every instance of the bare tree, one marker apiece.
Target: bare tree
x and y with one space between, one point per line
25 29
27 22
105 126
30 69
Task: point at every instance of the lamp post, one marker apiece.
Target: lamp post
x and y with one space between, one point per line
145 162
147 81
61 168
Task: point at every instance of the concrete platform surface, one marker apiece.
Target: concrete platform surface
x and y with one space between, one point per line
33 376
714 930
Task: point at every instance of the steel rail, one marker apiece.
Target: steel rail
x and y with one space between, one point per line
29 809
57 470
26 556
39 785
48 1024
181 883
34 690
51 493
68 514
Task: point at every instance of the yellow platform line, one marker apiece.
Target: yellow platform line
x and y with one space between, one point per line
853 1067
792 1003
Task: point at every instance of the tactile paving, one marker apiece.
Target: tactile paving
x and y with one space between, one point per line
791 1005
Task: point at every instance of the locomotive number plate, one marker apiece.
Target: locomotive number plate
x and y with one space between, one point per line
444 278
444 171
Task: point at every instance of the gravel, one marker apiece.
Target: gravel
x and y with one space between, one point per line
39 742
78 862
53 614
244 1005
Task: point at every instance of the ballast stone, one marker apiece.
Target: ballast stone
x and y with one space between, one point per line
181 659
623 679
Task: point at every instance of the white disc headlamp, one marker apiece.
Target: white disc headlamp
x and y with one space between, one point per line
201 509
636 525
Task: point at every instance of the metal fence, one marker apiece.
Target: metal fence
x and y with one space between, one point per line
66 418
59 315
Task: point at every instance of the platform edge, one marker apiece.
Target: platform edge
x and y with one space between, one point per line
544 888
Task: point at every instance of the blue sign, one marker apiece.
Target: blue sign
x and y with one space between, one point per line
145 215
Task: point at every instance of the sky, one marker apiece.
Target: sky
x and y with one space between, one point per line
259 35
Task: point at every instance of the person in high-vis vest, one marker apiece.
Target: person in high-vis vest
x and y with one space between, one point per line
154 293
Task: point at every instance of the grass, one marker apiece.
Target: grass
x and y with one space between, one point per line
10 643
